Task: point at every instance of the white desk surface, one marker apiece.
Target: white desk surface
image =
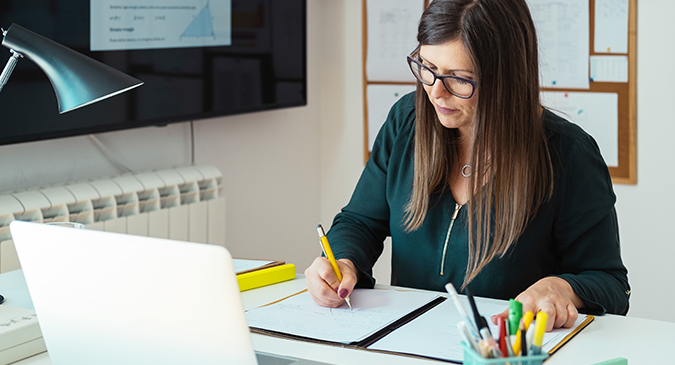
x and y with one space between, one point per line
641 341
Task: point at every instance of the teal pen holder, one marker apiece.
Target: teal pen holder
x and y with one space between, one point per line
471 357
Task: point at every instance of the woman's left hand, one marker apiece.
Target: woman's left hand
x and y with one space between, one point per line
552 295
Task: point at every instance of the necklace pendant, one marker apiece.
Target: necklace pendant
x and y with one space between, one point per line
464 171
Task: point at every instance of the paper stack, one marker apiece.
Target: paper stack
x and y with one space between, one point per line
20 335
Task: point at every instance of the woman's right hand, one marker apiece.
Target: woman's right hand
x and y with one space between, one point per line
324 286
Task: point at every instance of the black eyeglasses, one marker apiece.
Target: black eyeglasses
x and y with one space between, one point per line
457 86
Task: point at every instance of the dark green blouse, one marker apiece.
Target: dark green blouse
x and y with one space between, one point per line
574 235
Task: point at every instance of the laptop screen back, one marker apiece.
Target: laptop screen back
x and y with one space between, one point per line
107 298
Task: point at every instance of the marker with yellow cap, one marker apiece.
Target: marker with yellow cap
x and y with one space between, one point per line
539 329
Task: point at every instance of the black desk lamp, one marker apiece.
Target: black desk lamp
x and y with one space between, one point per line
77 79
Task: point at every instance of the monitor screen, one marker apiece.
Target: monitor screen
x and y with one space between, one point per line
197 58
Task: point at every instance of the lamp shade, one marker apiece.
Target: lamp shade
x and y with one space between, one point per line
77 79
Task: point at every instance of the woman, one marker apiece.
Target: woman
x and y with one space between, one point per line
478 184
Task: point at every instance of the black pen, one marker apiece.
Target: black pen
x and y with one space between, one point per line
523 342
482 325
481 322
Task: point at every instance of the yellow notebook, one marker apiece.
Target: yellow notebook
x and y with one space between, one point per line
257 273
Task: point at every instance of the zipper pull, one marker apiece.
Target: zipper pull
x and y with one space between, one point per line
457 208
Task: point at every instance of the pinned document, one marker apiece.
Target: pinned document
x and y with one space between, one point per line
611 26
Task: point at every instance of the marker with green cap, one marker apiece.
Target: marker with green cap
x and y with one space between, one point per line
515 313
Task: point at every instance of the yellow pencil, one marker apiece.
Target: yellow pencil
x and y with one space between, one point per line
329 255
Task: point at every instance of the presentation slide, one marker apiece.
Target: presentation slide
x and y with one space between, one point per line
141 24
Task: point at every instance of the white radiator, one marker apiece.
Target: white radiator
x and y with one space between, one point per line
182 203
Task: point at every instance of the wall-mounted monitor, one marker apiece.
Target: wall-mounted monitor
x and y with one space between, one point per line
198 59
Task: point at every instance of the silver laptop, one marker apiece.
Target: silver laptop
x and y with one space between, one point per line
108 298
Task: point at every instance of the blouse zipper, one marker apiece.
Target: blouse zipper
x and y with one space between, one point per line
447 237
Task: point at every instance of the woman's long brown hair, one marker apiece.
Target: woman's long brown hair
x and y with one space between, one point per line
512 174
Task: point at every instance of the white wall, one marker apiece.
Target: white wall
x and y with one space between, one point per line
646 209
55 161
341 106
285 171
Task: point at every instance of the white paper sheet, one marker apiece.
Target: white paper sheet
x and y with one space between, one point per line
373 310
435 333
380 99
611 26
245 265
609 68
563 35
392 35
596 113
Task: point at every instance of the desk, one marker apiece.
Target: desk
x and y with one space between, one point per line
641 341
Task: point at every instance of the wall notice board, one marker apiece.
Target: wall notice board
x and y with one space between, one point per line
588 71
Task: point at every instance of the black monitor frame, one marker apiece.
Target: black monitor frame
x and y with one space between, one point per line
264 69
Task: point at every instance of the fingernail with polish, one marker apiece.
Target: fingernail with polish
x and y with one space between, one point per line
343 293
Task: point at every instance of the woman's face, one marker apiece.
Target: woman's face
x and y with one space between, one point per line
450 58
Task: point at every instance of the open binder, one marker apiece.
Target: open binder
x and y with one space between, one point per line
420 324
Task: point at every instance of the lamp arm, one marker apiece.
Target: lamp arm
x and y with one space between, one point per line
9 67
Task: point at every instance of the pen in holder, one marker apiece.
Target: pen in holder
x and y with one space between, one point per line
471 357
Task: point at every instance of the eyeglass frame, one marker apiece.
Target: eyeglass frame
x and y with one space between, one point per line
411 60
